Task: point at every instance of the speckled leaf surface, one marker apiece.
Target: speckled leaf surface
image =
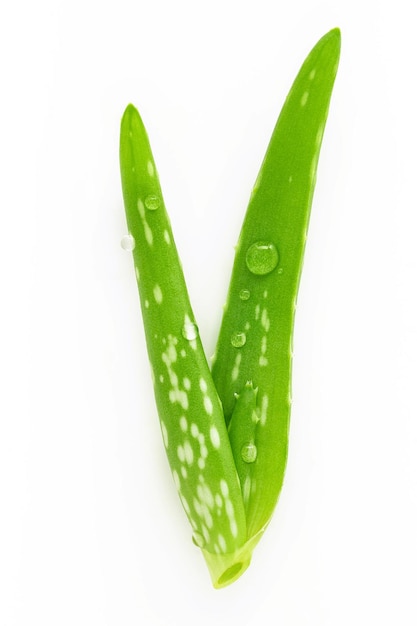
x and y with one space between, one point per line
262 296
226 431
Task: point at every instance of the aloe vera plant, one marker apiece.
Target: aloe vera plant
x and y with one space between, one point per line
226 431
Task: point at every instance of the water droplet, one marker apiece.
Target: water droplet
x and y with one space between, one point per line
127 242
280 270
262 257
152 203
244 294
249 452
190 331
198 539
238 339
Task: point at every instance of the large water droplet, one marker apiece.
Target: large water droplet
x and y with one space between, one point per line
249 452
262 257
244 294
190 331
152 202
238 339
127 242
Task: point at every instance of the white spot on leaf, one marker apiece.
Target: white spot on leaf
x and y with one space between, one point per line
176 479
181 454
224 488
246 489
222 543
146 227
150 168
164 434
157 294
183 500
214 437
265 321
188 452
235 370
264 409
208 405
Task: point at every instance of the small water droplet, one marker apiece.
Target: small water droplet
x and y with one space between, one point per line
244 294
238 339
280 270
262 257
127 242
198 539
190 331
249 452
152 203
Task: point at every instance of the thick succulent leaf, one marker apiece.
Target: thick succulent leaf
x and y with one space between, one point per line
255 341
190 412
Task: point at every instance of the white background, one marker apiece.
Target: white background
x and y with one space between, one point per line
91 531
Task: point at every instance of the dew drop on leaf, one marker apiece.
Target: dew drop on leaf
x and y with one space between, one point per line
152 202
244 294
238 339
190 331
128 243
249 452
262 257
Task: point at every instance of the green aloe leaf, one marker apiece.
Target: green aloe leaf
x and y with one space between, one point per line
255 341
190 412
226 432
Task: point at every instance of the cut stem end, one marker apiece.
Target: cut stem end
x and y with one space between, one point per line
225 569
